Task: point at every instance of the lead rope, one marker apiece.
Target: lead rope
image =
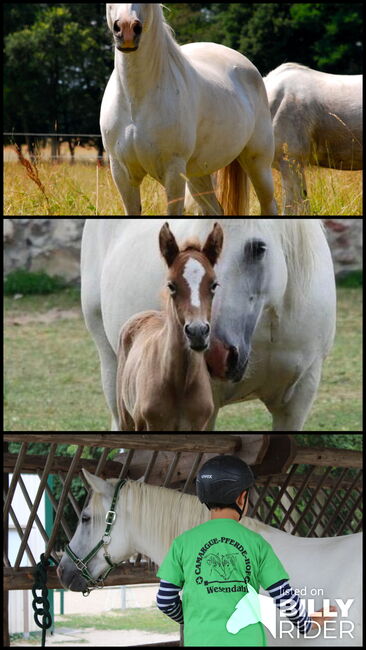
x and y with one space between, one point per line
40 582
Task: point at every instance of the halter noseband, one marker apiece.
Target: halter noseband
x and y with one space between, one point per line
81 565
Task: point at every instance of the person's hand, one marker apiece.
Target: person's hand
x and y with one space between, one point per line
320 618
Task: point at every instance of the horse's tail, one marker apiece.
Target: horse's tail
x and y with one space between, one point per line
232 190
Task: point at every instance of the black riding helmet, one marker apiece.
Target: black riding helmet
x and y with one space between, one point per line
220 481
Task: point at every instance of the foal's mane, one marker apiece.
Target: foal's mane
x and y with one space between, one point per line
192 244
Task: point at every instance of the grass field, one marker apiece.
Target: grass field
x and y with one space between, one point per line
83 189
52 380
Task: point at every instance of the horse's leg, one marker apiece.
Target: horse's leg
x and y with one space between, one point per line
91 304
127 423
203 193
294 190
155 426
211 426
130 194
292 415
258 168
257 158
175 184
108 364
139 422
191 206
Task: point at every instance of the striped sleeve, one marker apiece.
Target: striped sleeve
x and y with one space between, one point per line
169 602
289 602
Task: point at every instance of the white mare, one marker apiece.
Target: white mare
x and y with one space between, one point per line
180 113
150 517
317 120
273 315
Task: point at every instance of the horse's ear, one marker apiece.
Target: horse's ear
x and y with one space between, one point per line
168 245
96 483
213 246
87 475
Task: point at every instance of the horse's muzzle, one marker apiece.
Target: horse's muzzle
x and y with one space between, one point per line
226 361
127 35
69 577
236 365
125 50
198 335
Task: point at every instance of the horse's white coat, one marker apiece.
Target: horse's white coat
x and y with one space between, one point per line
149 518
279 312
317 120
177 113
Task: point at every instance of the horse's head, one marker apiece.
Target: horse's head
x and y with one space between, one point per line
127 22
253 273
96 547
192 283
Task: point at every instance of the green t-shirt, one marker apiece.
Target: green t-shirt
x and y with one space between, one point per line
214 562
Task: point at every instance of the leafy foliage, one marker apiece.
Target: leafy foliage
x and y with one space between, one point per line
78 489
59 56
26 283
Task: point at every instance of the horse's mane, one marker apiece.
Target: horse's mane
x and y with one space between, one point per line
169 513
181 511
299 240
173 52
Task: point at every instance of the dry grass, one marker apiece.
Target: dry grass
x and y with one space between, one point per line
83 189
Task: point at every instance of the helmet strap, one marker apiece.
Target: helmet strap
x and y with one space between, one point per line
239 510
235 506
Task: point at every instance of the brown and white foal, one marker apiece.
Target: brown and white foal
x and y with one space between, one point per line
162 378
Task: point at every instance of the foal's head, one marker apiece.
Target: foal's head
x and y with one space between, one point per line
192 282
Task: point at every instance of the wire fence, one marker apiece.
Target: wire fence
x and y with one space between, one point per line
54 147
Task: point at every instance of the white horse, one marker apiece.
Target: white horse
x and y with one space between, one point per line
317 120
180 113
149 518
273 316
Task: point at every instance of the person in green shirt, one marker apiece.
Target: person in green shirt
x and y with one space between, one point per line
221 565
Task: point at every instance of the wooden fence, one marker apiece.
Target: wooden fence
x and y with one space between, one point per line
308 492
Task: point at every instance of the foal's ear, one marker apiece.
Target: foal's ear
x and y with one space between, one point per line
168 245
213 246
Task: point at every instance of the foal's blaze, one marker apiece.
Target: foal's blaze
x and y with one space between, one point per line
192 282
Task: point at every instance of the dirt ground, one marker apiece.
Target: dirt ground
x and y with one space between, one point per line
50 316
68 637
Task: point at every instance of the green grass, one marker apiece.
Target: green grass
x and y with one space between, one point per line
52 375
149 619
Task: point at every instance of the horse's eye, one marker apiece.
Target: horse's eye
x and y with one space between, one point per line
255 250
172 288
214 287
85 519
